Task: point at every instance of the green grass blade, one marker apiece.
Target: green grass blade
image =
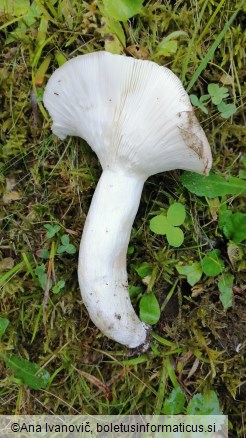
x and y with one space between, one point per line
212 49
161 389
11 272
210 21
28 266
36 323
162 340
191 44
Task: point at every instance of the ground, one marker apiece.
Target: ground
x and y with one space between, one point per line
46 186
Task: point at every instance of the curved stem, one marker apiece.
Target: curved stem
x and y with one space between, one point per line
102 258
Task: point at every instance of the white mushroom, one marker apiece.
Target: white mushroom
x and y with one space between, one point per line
138 119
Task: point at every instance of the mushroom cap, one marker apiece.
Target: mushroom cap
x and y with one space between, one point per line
134 114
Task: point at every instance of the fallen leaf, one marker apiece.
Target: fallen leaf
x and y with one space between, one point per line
226 79
95 381
10 183
138 52
10 197
214 206
197 290
6 264
193 368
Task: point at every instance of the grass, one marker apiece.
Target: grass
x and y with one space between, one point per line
197 344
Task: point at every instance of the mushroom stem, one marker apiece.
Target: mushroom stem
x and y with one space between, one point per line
102 257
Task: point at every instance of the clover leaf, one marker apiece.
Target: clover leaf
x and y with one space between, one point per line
66 246
200 102
226 109
52 230
59 285
217 93
193 272
169 225
176 214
